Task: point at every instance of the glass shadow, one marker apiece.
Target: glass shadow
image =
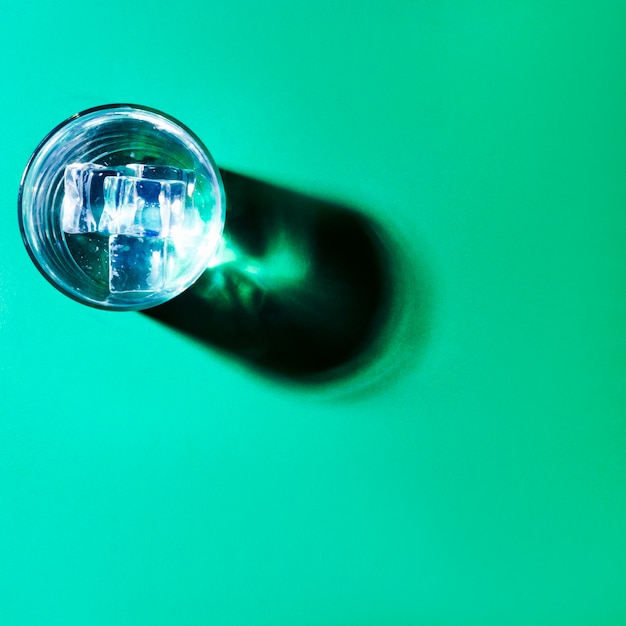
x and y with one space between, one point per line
302 288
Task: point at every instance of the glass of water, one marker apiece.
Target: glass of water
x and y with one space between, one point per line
121 207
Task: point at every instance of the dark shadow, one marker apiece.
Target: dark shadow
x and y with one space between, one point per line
303 288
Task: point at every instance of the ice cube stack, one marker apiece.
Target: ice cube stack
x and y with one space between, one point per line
142 209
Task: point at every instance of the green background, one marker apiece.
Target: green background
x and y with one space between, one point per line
477 473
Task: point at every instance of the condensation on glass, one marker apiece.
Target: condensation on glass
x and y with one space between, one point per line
121 207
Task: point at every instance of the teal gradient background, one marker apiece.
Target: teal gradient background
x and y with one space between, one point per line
147 480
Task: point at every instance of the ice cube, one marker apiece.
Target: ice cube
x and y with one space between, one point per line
83 201
142 207
179 203
76 214
136 263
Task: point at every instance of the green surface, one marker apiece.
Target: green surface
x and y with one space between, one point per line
147 480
